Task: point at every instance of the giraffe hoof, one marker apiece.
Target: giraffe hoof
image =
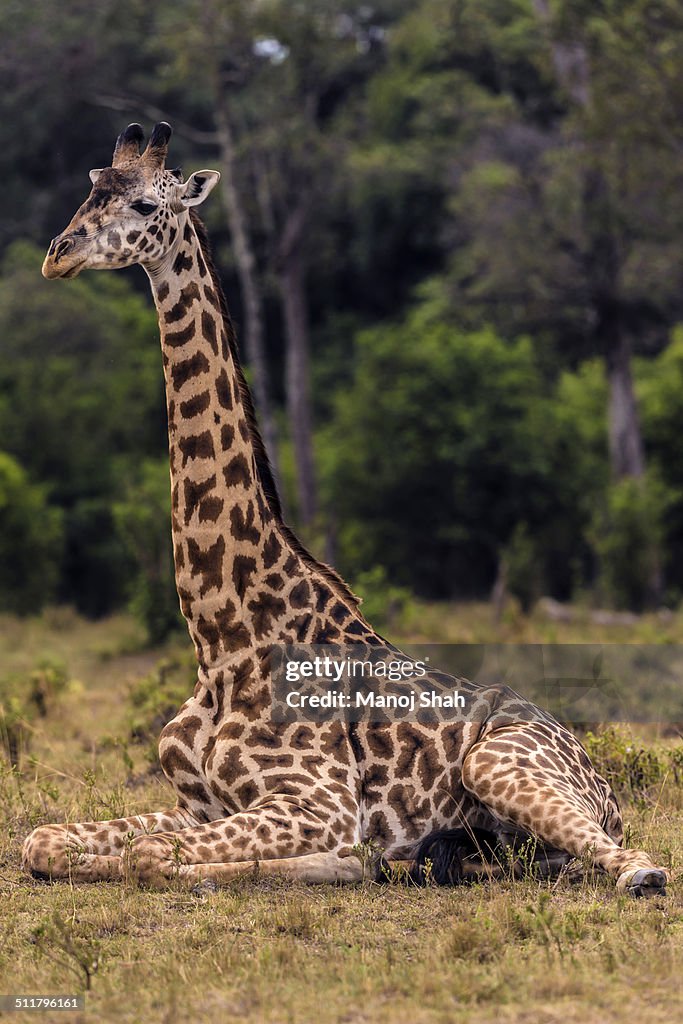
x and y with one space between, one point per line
645 883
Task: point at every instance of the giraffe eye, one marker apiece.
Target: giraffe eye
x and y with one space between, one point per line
144 208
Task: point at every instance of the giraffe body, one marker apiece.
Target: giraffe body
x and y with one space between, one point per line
296 797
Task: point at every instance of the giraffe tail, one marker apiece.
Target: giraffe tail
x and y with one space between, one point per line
454 856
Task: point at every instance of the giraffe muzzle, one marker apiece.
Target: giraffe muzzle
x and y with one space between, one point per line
62 258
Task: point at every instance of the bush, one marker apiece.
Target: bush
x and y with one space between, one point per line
143 522
383 603
441 445
25 697
628 537
31 539
659 385
521 561
80 390
156 697
632 770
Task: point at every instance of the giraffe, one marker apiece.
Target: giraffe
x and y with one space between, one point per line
297 798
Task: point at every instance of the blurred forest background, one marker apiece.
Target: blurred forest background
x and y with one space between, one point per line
451 235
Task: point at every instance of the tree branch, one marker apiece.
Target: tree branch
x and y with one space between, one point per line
154 113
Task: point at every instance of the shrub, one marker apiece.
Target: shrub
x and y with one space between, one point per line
80 390
631 769
142 519
628 537
383 603
156 697
25 697
442 443
30 542
522 563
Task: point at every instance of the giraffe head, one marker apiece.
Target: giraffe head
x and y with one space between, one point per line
133 212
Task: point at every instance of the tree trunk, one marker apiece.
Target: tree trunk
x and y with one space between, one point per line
499 593
626 452
625 440
603 263
293 287
570 59
254 341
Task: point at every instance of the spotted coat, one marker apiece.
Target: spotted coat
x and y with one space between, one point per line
295 796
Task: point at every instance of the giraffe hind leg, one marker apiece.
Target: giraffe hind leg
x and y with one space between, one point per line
560 807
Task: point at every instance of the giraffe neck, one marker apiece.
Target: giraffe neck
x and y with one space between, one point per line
242 577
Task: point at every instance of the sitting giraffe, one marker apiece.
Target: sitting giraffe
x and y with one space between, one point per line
298 798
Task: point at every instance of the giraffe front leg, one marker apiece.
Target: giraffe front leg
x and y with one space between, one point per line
332 866
91 851
277 836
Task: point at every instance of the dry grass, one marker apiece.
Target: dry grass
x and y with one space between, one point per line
272 951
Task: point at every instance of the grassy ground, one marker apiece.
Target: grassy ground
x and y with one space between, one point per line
272 951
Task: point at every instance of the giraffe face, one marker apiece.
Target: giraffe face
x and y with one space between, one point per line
133 214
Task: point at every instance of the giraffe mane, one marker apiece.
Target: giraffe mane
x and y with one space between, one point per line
263 467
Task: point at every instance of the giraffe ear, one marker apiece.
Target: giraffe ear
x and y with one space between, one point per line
95 173
197 187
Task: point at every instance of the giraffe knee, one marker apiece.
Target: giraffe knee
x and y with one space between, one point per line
151 860
43 854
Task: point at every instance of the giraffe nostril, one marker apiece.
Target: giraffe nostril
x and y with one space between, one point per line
62 248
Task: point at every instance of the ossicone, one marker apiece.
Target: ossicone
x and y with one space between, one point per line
127 149
157 147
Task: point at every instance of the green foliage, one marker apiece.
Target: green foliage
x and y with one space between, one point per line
634 771
25 697
659 387
443 443
384 603
80 390
627 535
459 191
142 520
30 541
155 698
521 562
